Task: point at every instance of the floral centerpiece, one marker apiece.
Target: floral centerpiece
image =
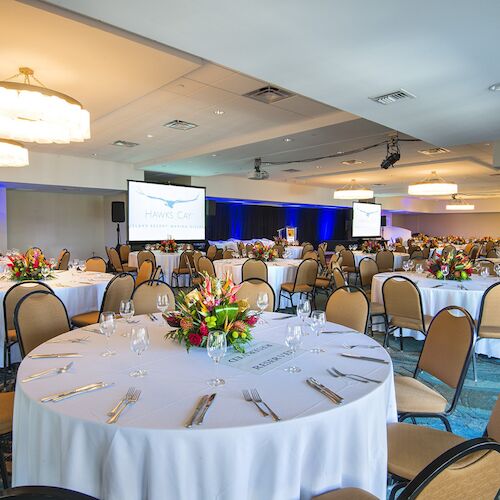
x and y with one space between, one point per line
281 241
265 253
168 246
455 266
29 266
212 307
371 246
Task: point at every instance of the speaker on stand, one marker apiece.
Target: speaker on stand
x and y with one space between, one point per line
118 215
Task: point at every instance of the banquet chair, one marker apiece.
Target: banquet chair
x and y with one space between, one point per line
411 447
417 254
196 258
338 277
426 252
447 250
248 249
367 270
400 249
469 470
211 251
304 282
280 250
10 300
118 289
241 248
323 246
468 248
254 268
205 265
306 247
445 355
419 261
6 416
348 263
492 254
249 290
218 254
124 251
145 296
488 322
312 254
385 261
489 264
188 247
403 308
117 264
95 264
42 493
183 268
322 257
63 260
196 279
474 252
488 246
227 254
157 273
38 317
339 248
348 306
144 255
144 273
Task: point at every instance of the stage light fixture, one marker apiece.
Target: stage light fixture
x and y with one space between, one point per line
393 154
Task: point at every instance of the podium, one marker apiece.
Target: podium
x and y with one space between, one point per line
288 233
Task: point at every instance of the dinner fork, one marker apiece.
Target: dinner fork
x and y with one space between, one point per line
349 376
55 371
353 376
352 346
127 396
129 401
249 398
78 340
256 397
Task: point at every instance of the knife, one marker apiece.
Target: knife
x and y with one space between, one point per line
55 355
207 406
365 358
285 317
101 385
327 389
436 286
325 393
59 394
201 403
39 374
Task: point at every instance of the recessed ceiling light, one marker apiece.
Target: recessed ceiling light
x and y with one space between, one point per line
352 162
318 166
94 154
494 87
433 151
214 154
340 152
287 139
219 112
149 136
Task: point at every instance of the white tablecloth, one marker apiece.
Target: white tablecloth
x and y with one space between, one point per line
294 252
80 292
449 294
399 258
235 454
278 272
167 261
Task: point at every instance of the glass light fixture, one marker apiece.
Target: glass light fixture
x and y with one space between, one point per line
13 154
432 186
353 191
32 113
458 204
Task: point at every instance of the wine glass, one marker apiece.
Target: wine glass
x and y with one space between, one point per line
262 303
445 270
52 262
303 309
419 268
76 262
293 340
496 267
162 303
318 320
405 265
411 265
485 271
82 265
127 311
45 272
216 348
139 342
107 326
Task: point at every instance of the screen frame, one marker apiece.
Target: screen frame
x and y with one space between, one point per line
141 242
352 219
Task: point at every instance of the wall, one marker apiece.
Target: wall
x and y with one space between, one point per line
465 224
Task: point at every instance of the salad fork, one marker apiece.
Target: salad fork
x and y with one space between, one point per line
353 376
246 395
256 397
129 401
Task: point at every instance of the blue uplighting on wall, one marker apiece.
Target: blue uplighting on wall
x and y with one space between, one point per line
236 221
292 216
326 224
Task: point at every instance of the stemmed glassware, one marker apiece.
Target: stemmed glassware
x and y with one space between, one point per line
107 326
262 303
496 267
162 303
445 270
293 341
419 268
127 312
411 265
139 342
303 310
485 271
45 272
406 264
317 322
216 348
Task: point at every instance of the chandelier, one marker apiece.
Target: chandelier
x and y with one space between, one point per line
353 191
458 204
432 186
13 154
34 113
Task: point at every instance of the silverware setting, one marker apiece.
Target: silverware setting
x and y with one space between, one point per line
338 331
258 400
364 358
92 330
130 400
152 317
284 317
436 286
353 376
55 371
248 398
55 355
78 340
332 396
199 406
73 392
347 346
203 412
128 395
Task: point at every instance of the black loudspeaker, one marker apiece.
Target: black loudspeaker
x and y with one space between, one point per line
211 208
383 221
118 211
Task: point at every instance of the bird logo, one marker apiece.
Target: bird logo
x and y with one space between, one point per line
168 203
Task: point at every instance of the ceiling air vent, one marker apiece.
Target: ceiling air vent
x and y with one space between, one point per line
352 162
433 151
125 144
391 97
180 125
269 95
291 170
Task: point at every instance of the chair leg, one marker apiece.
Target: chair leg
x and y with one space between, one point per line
401 338
395 489
279 301
446 422
3 471
474 367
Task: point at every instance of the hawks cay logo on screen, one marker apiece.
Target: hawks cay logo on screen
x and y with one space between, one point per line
174 208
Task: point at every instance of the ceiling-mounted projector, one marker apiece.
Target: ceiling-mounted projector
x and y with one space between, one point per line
257 174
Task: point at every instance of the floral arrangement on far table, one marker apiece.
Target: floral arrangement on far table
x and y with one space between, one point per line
212 307
29 266
168 246
265 253
371 246
281 241
458 265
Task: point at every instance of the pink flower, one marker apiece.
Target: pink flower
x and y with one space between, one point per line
204 329
251 320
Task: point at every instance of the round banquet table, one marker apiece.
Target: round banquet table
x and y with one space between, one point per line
437 294
278 272
167 261
236 453
80 292
399 258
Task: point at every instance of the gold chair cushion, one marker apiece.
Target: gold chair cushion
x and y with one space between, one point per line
6 411
11 335
288 287
346 494
413 447
85 319
489 332
376 308
180 270
322 283
414 396
410 323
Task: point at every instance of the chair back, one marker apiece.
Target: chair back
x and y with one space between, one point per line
227 254
241 248
42 493
348 306
249 290
124 251
205 265
38 317
489 316
412 247
118 289
347 258
402 299
487 263
338 277
489 245
367 270
324 246
468 248
312 254
417 254
385 261
145 255
420 261
447 250
322 256
474 252
196 258
306 247
254 268
185 259
306 273
114 258
145 272
63 261
218 254
188 247
280 250
145 296
31 251
339 248
400 249
492 254
426 252
448 346
248 249
157 273
211 251
95 264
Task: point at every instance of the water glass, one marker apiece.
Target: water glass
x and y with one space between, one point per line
45 272
107 326
317 322
485 271
162 303
496 267
445 270
405 265
216 348
262 302
303 309
293 341
411 265
419 268
127 311
139 342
